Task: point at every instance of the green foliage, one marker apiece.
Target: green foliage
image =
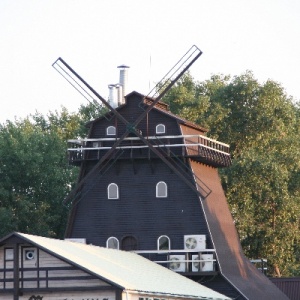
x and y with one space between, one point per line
33 177
262 126
34 172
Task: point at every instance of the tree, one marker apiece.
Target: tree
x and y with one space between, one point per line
34 176
261 124
34 173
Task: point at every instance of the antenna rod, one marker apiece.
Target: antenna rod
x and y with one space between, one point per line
194 50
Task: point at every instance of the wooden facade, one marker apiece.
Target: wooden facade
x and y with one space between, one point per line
36 268
137 218
28 271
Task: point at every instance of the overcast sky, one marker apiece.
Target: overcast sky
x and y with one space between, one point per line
94 37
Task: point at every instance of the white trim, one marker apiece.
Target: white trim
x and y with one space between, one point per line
198 140
174 251
79 141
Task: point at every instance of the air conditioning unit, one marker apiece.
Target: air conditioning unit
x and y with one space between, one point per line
205 265
177 263
195 263
195 242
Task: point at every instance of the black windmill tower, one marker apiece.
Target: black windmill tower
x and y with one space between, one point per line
149 183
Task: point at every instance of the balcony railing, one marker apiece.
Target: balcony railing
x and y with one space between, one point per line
196 146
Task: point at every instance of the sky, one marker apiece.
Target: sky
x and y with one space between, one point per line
94 37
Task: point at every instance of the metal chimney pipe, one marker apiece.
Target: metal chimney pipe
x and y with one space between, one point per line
112 98
120 94
123 80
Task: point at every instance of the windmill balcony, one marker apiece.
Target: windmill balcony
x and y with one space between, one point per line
187 262
197 147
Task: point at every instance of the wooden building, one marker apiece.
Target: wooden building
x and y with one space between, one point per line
161 197
36 268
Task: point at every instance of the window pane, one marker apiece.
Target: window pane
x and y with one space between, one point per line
160 128
164 243
161 190
113 243
111 130
129 243
113 191
9 254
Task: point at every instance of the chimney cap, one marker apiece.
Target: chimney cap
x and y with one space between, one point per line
123 67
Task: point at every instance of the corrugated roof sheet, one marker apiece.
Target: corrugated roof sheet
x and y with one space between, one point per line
289 285
127 270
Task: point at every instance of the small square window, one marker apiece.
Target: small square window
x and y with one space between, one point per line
30 254
9 254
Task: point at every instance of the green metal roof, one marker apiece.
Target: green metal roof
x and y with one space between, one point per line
126 270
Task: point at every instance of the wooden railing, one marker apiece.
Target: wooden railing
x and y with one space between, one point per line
189 140
178 145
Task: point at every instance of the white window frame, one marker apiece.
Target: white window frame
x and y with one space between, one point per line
169 243
115 239
160 131
165 192
109 191
113 128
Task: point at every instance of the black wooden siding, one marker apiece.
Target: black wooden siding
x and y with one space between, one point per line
138 212
131 111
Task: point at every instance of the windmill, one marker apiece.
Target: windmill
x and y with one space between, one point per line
157 93
171 207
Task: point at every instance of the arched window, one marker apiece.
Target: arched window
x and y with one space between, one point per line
163 243
112 243
129 243
161 190
111 130
113 191
160 129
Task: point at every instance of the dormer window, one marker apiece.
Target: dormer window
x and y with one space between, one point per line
113 191
160 129
112 243
111 130
161 190
163 243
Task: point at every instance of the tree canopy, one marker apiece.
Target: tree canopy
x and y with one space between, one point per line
262 125
34 172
